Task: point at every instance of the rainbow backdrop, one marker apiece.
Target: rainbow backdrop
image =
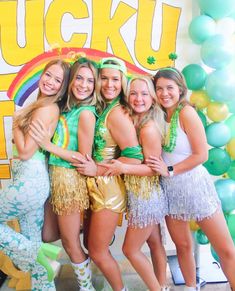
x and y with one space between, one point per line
27 78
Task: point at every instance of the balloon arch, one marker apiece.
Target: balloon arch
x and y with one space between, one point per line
212 83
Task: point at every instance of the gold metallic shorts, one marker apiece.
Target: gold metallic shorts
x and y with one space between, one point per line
68 191
107 193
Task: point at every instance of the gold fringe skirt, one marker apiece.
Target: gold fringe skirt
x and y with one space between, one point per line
69 192
107 193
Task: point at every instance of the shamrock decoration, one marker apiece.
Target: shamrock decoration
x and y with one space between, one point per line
172 56
151 60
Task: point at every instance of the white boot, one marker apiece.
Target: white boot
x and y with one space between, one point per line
83 273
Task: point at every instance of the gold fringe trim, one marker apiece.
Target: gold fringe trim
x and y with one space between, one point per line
141 186
69 192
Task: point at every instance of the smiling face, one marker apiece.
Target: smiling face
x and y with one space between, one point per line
168 93
83 83
140 99
111 83
51 80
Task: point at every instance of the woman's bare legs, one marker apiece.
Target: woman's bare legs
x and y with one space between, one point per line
218 234
50 230
134 240
102 227
180 233
158 255
69 226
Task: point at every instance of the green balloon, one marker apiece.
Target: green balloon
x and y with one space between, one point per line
225 189
217 134
216 8
230 122
195 76
202 117
231 224
218 162
231 170
201 28
200 237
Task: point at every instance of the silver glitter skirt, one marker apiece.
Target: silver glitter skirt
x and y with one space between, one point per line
146 211
191 195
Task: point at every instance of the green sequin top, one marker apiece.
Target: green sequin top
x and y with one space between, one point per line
66 133
105 147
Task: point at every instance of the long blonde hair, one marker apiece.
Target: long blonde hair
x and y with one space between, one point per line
93 99
155 112
23 120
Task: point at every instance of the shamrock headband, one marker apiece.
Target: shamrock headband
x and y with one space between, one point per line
113 63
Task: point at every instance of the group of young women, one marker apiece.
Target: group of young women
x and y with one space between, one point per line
119 144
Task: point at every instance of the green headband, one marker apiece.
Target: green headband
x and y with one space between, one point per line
113 63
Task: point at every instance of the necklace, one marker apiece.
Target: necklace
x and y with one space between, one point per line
171 135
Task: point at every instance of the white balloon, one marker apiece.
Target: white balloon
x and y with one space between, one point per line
226 26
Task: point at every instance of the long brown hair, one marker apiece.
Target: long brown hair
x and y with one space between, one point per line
23 119
175 75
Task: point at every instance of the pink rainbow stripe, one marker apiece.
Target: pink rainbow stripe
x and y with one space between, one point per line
27 78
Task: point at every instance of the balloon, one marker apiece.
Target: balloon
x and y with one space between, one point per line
230 122
193 225
231 170
217 111
217 51
200 237
216 8
226 191
231 104
231 224
201 27
195 76
202 117
220 85
230 148
218 134
218 162
200 99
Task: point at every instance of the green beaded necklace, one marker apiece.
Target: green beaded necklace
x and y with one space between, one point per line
171 135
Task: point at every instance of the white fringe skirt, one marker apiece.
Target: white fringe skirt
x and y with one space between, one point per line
191 195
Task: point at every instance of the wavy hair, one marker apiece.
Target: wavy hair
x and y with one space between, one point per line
155 112
23 120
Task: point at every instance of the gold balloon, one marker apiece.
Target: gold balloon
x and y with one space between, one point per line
217 111
230 148
193 225
200 99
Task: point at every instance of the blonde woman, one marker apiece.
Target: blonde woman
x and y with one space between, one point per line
24 198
